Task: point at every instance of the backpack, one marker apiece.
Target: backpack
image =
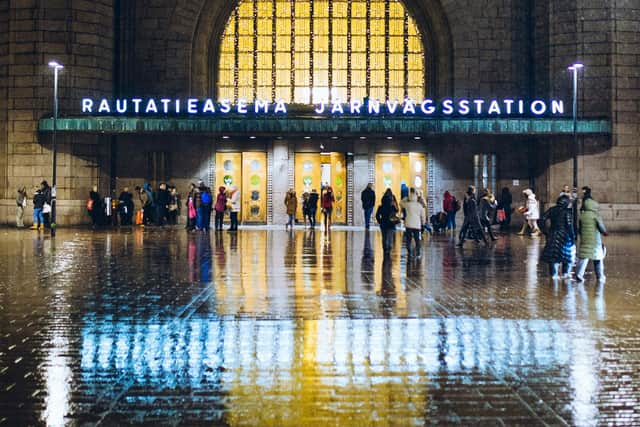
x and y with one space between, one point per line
455 205
206 198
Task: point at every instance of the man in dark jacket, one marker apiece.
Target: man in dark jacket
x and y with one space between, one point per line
368 198
312 205
39 200
125 206
162 204
471 228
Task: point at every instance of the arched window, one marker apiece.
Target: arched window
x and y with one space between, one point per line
320 50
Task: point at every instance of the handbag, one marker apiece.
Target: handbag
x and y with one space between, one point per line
139 217
394 219
46 208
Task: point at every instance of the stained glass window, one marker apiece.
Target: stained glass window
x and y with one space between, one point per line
320 50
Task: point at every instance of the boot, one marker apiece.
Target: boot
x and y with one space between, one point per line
34 227
523 230
599 267
41 227
553 270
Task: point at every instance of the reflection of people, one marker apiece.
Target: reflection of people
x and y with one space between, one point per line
560 238
367 262
204 256
387 288
368 199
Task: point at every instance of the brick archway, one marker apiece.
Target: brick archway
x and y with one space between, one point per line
428 14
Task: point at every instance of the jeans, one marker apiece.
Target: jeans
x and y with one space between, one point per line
219 219
581 267
234 221
291 220
367 217
203 220
451 220
37 216
312 217
413 234
388 236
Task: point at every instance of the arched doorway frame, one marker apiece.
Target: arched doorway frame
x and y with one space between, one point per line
429 15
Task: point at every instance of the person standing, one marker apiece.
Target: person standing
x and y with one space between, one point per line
125 206
558 250
38 203
471 227
505 202
488 207
94 206
220 207
368 199
204 203
146 198
21 204
174 205
413 222
591 245
191 208
291 203
531 211
234 198
387 217
162 204
328 200
305 208
313 207
46 208
450 206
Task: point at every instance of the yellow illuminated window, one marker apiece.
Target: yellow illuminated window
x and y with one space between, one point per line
387 61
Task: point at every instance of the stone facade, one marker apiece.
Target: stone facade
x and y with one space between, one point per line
490 48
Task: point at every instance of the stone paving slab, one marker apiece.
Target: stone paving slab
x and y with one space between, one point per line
269 328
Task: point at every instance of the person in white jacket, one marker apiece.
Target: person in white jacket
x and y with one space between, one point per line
531 213
414 219
234 201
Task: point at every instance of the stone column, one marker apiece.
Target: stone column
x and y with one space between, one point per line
280 180
360 180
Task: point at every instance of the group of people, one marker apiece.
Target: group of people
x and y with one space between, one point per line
310 207
41 206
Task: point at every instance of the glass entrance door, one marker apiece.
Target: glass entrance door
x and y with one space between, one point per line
248 172
317 171
395 170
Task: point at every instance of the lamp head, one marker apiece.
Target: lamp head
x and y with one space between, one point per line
576 66
55 65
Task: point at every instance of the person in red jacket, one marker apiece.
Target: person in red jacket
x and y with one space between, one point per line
451 206
327 207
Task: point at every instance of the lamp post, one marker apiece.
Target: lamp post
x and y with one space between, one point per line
56 67
575 68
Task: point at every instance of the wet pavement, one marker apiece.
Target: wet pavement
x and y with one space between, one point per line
270 328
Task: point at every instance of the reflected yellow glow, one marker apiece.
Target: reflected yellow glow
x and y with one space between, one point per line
297 20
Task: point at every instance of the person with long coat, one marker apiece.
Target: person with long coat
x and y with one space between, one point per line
387 217
591 246
291 203
560 237
471 227
488 205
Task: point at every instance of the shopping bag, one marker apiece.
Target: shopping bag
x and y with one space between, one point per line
139 217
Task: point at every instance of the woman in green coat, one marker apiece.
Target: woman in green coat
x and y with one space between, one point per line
591 247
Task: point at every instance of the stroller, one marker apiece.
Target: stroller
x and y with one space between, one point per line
438 221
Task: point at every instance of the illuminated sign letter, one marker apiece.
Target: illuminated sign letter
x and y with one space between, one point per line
478 103
192 106
463 107
538 107
494 108
136 104
355 106
281 107
121 106
409 106
557 107
87 105
374 106
447 106
242 106
320 108
165 105
208 106
104 107
151 107
225 106
336 107
392 106
508 103
261 104
521 107
427 107
177 105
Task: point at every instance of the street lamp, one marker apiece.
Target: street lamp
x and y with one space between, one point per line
575 68
56 67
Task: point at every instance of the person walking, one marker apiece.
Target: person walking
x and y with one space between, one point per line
21 204
531 212
591 247
328 199
368 199
125 207
204 203
148 206
313 207
414 219
558 250
505 202
488 207
291 203
38 203
450 206
387 217
234 199
471 227
220 207
95 208
305 208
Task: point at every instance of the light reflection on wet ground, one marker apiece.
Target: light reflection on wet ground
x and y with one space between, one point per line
274 328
